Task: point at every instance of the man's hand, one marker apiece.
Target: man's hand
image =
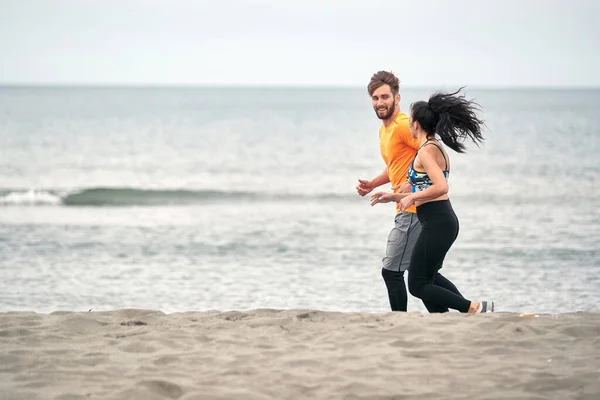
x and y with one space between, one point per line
403 187
364 187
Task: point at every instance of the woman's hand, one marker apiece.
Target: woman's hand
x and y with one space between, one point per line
406 202
382 197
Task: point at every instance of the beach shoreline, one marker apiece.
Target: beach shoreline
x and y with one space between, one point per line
291 354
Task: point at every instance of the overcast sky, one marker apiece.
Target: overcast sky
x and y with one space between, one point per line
301 42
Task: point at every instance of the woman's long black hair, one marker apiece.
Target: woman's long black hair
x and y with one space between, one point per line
452 117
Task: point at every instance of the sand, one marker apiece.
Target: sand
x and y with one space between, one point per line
298 354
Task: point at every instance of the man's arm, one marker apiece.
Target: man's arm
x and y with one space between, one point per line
381 179
365 186
403 131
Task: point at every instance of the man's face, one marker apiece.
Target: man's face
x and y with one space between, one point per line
384 102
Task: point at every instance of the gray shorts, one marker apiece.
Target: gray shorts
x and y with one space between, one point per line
401 241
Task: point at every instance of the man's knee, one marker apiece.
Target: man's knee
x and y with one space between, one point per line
392 276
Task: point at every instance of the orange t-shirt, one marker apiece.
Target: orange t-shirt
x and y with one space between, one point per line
398 149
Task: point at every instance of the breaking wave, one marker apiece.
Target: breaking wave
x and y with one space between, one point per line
141 197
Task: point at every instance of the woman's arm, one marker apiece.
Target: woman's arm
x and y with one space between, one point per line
386 197
439 185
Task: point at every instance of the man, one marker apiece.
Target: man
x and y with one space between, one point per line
398 149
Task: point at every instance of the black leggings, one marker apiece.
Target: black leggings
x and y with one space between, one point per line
439 229
394 281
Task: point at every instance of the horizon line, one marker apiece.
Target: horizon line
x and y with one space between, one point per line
277 86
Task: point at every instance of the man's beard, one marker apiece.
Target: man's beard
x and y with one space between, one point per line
387 112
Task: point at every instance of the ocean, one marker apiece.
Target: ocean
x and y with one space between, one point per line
238 198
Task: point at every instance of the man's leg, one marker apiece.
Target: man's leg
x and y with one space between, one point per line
397 258
396 288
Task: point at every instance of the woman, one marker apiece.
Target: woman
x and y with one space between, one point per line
453 119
